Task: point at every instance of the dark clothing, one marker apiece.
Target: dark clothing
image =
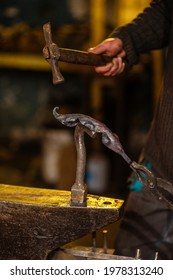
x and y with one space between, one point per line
148 224
153 29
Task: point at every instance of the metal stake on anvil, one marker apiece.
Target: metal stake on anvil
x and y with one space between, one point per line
83 123
79 189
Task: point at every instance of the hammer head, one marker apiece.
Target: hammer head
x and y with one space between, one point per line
51 53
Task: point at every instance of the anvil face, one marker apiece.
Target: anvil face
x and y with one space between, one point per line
36 221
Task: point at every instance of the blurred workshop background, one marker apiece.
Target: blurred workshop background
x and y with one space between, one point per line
36 150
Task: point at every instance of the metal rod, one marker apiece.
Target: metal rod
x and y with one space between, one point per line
94 247
105 243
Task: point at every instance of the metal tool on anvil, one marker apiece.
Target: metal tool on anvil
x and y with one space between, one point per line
52 53
160 188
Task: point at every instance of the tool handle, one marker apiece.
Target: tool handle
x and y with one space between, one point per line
83 57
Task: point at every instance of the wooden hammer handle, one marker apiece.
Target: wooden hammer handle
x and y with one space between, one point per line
82 57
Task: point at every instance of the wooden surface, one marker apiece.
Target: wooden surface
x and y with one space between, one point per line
36 221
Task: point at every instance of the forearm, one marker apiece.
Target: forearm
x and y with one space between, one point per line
150 30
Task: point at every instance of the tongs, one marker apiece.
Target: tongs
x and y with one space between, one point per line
160 188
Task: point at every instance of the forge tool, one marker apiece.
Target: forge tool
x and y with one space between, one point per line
160 188
52 53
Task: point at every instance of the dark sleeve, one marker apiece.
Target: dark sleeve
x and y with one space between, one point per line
149 30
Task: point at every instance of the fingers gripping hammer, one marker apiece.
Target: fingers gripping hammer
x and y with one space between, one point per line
52 53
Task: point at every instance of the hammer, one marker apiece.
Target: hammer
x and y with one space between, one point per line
52 53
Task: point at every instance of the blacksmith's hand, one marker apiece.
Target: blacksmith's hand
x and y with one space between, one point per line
111 47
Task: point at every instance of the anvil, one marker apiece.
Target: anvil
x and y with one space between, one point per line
36 221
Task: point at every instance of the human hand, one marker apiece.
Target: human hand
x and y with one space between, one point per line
111 47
